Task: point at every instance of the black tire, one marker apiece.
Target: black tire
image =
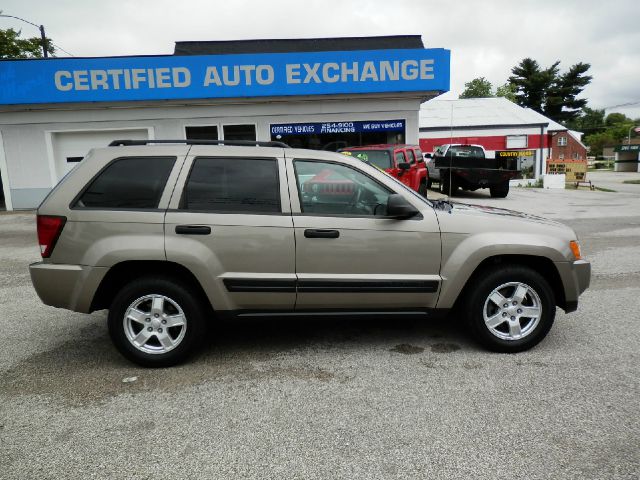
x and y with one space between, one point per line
171 297
500 191
499 332
422 189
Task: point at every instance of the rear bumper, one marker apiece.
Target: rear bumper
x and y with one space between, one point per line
576 277
484 177
66 286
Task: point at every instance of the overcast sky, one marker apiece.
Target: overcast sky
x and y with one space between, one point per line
485 38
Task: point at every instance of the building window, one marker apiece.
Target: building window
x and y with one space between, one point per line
205 132
576 155
223 185
562 141
239 132
561 156
517 141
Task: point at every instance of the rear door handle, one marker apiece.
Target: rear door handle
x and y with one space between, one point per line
193 230
311 233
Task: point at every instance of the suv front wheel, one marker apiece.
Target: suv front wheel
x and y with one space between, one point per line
156 322
510 308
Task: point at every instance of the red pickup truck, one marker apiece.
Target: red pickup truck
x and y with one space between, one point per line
403 162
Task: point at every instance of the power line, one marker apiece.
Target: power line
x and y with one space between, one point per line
60 48
41 28
628 104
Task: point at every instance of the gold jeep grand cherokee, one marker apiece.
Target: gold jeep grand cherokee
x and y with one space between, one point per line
167 235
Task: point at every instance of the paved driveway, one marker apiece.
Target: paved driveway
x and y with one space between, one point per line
332 398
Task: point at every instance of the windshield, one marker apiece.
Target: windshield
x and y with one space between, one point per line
379 158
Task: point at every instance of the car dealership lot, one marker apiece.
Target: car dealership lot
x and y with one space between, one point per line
335 398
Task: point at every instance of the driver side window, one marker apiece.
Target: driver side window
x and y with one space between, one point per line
333 189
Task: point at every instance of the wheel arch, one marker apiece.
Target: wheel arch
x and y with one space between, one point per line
542 265
126 271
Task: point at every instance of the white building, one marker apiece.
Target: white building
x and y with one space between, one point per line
316 93
495 123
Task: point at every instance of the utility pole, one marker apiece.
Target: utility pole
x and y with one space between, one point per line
42 35
44 42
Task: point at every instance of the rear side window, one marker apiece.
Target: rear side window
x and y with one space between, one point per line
228 185
135 182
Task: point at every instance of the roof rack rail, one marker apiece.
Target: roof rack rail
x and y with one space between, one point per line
237 143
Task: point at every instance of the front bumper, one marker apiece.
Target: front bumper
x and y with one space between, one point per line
66 286
576 277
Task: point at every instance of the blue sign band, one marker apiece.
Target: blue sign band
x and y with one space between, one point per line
223 76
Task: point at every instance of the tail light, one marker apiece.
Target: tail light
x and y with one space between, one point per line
49 229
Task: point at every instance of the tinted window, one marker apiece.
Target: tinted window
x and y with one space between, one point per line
239 132
332 189
379 158
129 183
233 185
207 132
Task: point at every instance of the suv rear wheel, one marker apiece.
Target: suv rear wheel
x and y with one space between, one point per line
156 322
511 309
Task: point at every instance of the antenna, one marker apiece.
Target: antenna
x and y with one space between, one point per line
450 152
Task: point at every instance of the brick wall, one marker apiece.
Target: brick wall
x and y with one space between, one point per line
571 150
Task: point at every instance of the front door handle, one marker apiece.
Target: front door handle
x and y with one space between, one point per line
311 233
193 230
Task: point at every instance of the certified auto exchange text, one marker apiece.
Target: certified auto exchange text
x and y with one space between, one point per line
233 75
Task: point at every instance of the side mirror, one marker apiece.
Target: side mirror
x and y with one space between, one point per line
398 207
428 155
404 166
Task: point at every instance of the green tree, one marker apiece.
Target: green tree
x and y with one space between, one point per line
481 88
614 130
12 46
477 88
507 91
549 92
532 83
562 104
591 121
597 141
615 118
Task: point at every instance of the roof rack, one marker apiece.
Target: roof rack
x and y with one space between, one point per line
237 143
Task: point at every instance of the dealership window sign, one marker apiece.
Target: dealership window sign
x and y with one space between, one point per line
521 160
284 129
223 76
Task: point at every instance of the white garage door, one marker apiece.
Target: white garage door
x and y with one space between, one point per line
70 147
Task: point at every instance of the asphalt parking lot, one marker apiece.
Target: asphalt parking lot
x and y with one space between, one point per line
336 398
